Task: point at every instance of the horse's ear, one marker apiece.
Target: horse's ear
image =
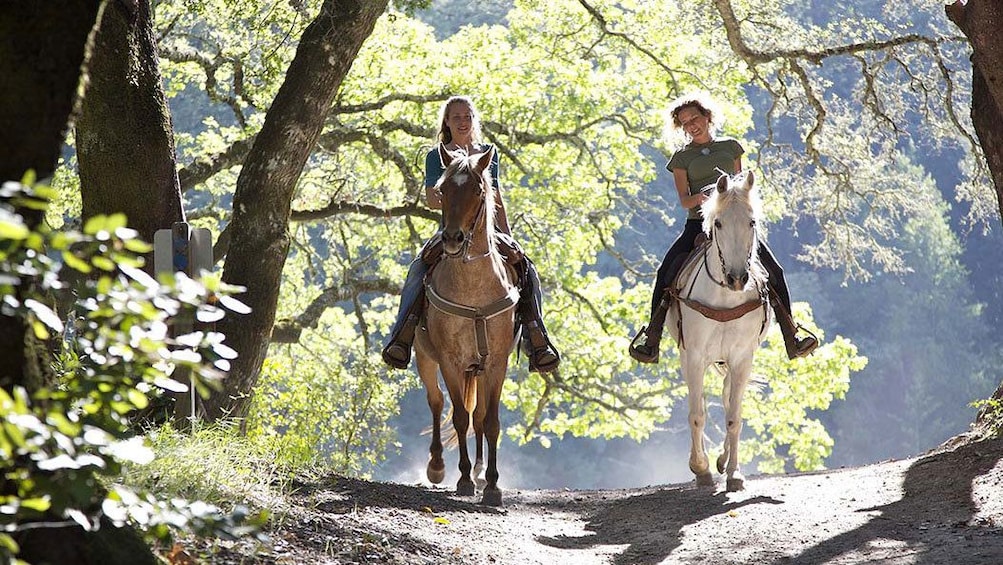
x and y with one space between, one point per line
722 183
749 180
444 155
484 161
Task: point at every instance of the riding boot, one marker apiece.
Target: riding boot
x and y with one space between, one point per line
543 356
646 350
397 352
796 347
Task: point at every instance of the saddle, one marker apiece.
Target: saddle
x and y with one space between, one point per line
700 245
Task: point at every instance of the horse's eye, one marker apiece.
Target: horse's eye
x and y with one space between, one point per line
717 224
752 223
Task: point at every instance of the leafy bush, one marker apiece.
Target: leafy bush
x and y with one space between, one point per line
114 353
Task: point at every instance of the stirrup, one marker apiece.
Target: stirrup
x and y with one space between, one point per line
397 355
534 353
647 355
534 364
804 346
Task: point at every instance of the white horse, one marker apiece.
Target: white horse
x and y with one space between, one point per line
720 316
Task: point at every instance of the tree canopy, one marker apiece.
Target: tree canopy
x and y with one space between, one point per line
572 94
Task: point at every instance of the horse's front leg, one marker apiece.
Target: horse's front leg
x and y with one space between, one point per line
461 424
479 443
428 371
492 428
693 373
735 383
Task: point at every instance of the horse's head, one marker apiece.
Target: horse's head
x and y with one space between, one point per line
731 220
467 198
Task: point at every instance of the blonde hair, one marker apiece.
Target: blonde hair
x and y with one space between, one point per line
446 136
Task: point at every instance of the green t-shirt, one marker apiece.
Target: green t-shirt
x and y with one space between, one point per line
704 164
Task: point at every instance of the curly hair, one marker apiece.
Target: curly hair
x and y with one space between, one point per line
702 102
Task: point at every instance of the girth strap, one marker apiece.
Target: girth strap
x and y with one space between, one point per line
480 315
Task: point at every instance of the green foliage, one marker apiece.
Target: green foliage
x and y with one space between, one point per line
576 112
114 355
214 464
315 414
788 434
990 420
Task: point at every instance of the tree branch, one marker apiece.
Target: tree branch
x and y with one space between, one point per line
288 330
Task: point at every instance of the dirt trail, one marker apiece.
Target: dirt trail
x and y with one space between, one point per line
943 508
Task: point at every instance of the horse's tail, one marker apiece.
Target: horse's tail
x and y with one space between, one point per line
450 439
470 396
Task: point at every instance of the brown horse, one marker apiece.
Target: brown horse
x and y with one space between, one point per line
469 325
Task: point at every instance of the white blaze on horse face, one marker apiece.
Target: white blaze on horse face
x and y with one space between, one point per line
736 232
461 178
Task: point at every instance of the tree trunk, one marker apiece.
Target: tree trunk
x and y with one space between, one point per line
125 140
41 52
982 23
267 183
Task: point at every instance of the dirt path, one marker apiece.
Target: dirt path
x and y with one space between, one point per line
943 508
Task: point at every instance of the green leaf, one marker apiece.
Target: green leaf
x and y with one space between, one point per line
40 330
37 504
103 263
13 230
75 262
8 543
138 399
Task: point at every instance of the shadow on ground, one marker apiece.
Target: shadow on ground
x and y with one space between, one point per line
649 524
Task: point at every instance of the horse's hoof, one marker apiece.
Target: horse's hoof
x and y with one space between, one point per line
465 488
701 467
479 479
705 480
721 461
492 497
435 474
735 484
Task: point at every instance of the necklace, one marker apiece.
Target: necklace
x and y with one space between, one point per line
704 147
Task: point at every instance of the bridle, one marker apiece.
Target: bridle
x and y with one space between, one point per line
481 216
720 256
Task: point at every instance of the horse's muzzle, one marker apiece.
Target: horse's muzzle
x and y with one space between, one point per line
452 242
736 282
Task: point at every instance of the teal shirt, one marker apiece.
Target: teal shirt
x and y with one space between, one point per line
704 164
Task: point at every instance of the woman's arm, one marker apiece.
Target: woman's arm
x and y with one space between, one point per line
683 189
433 197
501 218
